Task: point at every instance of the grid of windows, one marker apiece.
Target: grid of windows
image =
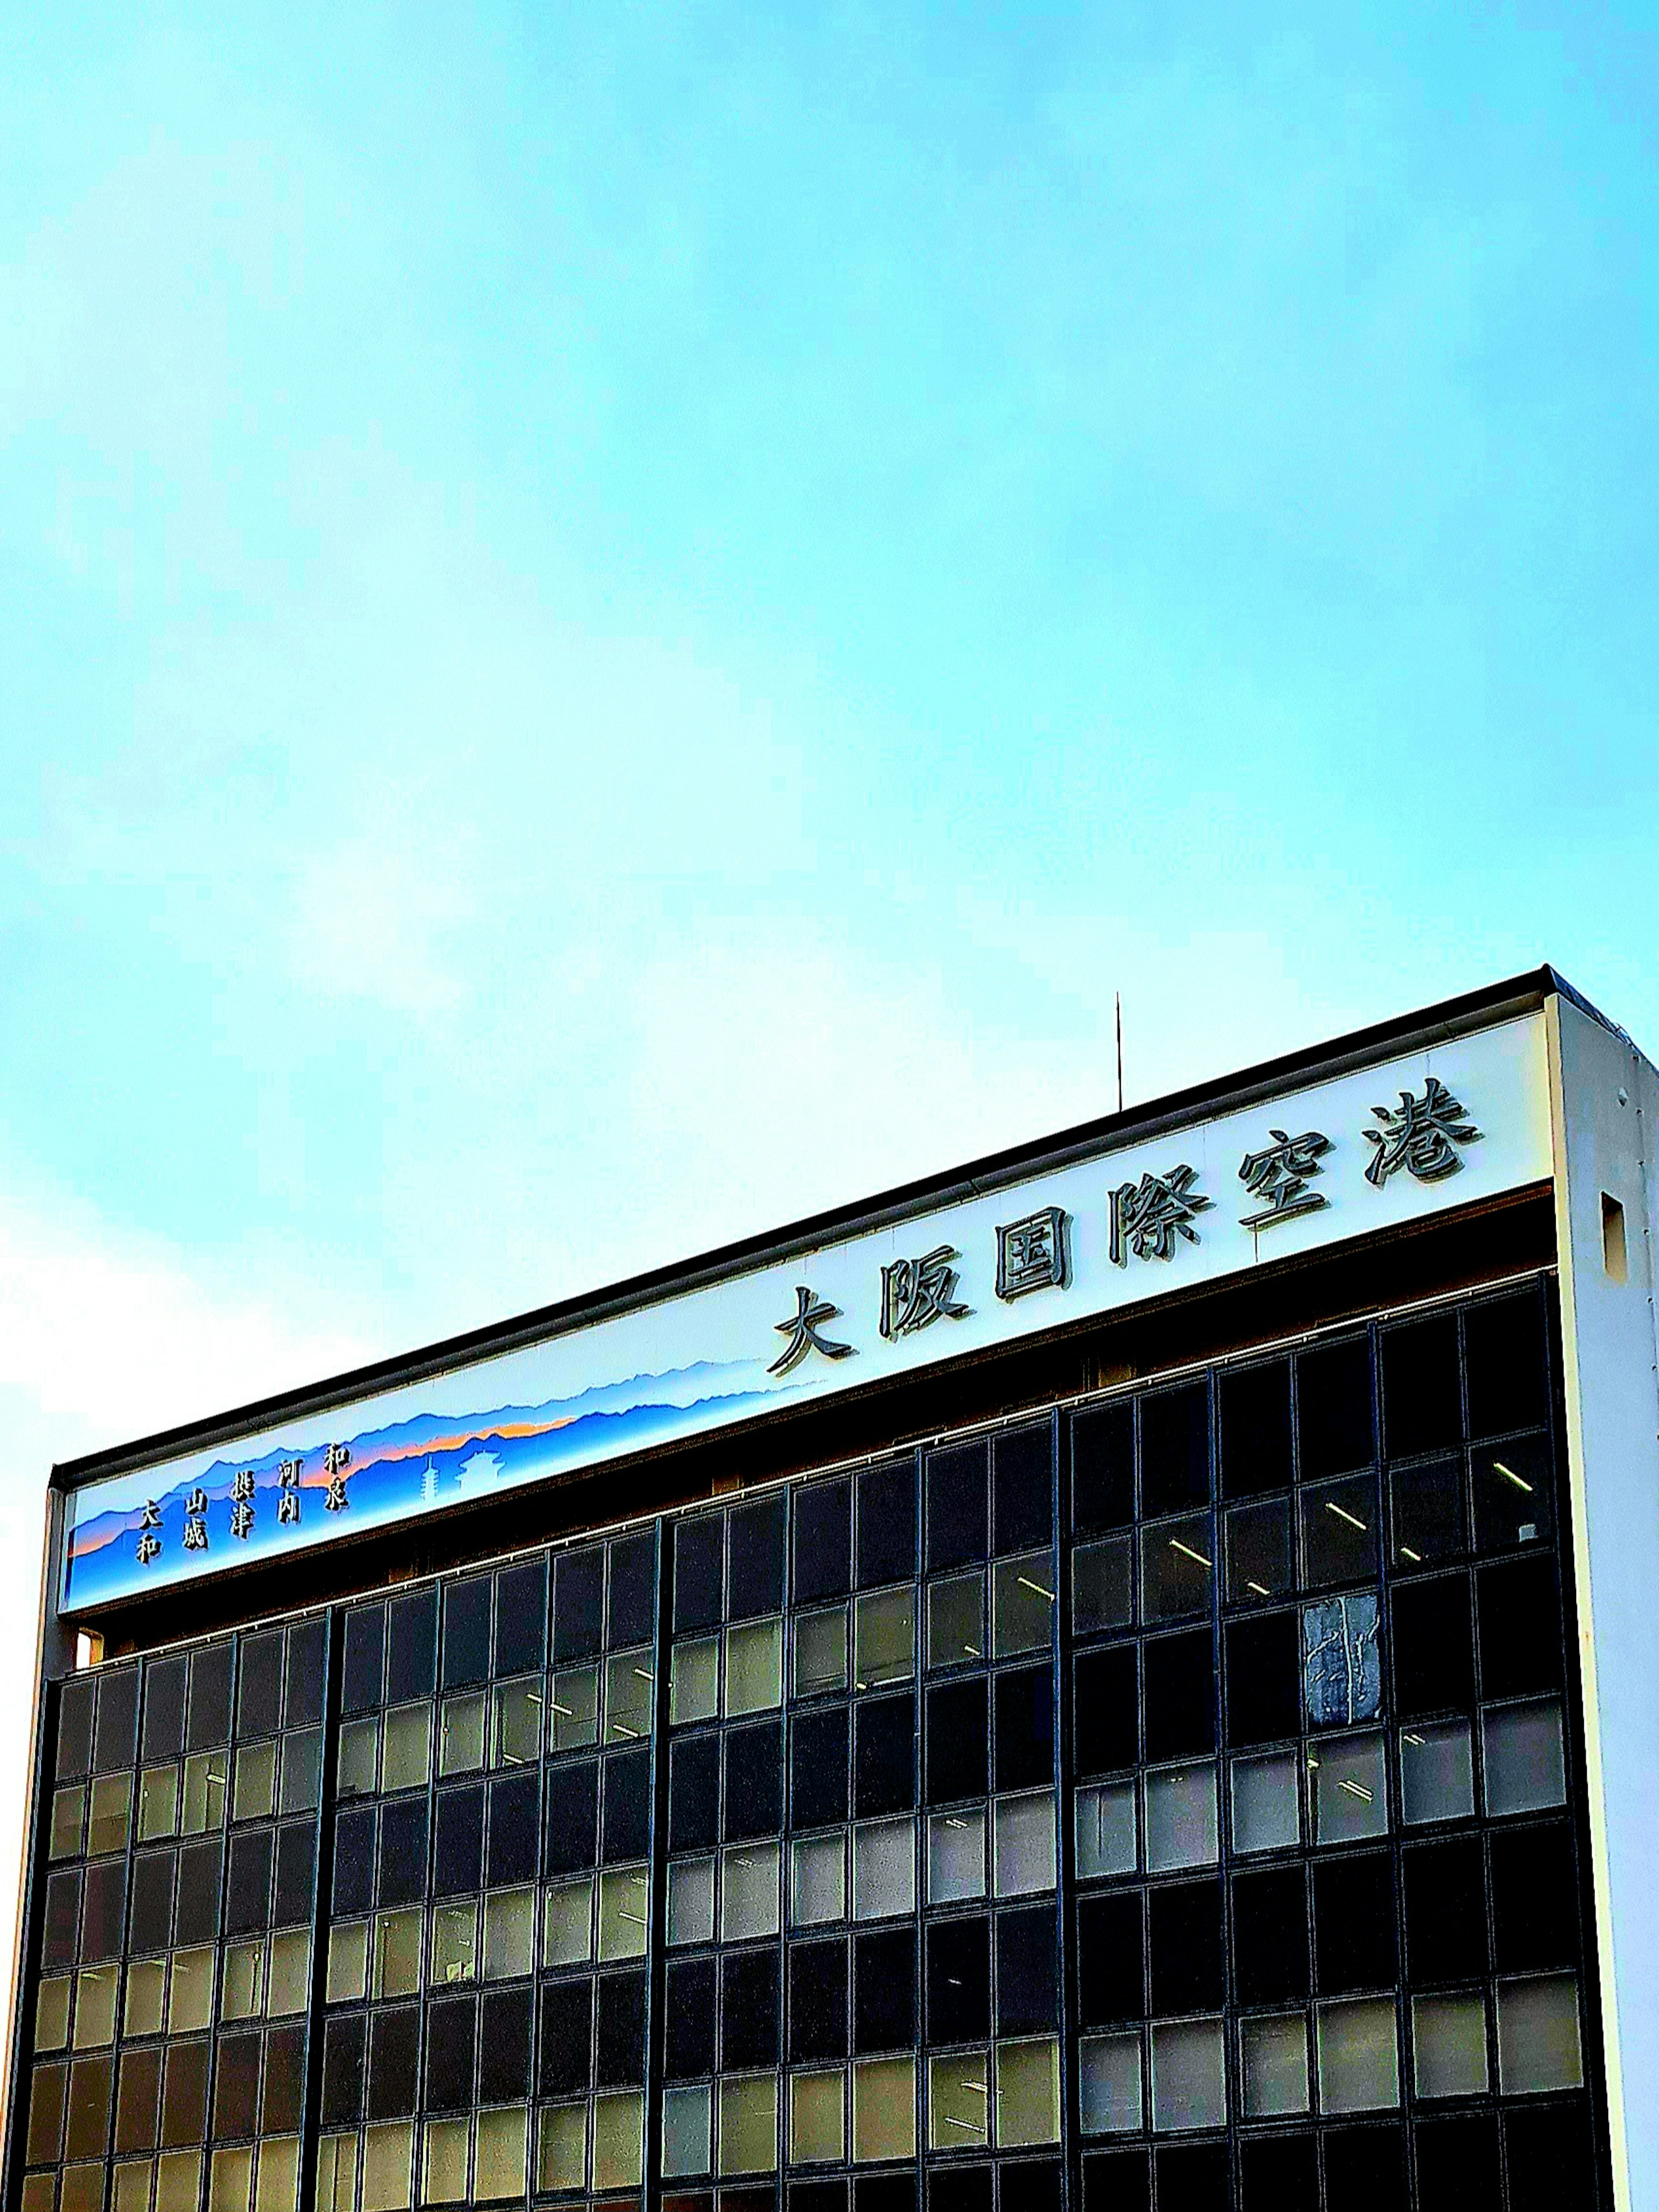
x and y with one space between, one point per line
1165 1803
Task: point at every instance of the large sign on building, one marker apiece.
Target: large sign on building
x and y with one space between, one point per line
1203 1200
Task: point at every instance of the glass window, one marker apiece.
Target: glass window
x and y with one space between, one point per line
516 1724
336 2174
694 1681
749 2124
749 1892
884 1638
956 1856
406 1747
1106 1841
503 2154
461 1735
1351 1797
158 1802
1023 1604
52 2012
630 1688
567 1923
1338 1531
230 2180
111 1815
955 1619
618 2141
288 1982
1524 1764
1028 2093
1538 2045
1260 1559
1359 2062
1267 1815
1512 1494
302 1770
884 2109
243 1984
686 2130
821 1651
691 1900
817 2124
1427 1503
189 1991
1437 1773
1273 2055
455 1943
754 1667
1024 1829
348 1960
359 1761
509 1934
959 2100
1110 2083
1181 1818
1102 1586
205 1777
397 1968
278 2187
562 2147
818 1891
1448 2045
1177 1566
443 2177
146 2002
883 1868
95 2007
1189 2075
386 2158
573 1703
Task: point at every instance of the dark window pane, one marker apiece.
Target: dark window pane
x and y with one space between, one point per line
247 1890
91 2081
48 2091
571 1817
823 1540
1457 2168
1117 2181
457 1850
959 1980
958 1741
138 2099
515 1829
887 1524
818 1784
1024 1727
1110 1964
1338 1531
960 2189
1422 1393
694 1793
1260 1551
1270 1935
1102 1585
1520 1628
1255 1409
343 2068
566 2044
364 1669
403 1852
466 1632
1106 1710
259 1700
1445 1912
103 1910
61 1934
1333 1407
749 2025
884 1990
306 1644
1427 1502
164 1708
1180 1694
755 1564
1103 1468
1365 2168
117 1721
956 1504
353 1861
236 2086
1174 1449
285 2079
452 2038
754 1781
208 1714
521 1617
394 2055
885 1754
1028 1971
1022 1490
184 2094
1280 2173
1513 1487
1508 1376
1264 1678
627 1808
621 2027
633 1589
151 1925
817 2000
1433 1661
578 1602
1193 2175
699 1572
688 2019
1535 1899
1353 1924
296 1858
1549 2157
504 2047
75 1729
411 1651
1184 1940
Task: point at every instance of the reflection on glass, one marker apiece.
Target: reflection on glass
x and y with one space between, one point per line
94 2005
1338 1530
1023 1604
1106 1842
302 1770
821 1651
959 2100
1437 1772
52 2012
1448 2045
1427 1503
443 2178
503 2155
1512 1494
629 1692
573 1705
956 1856
1110 2087
1274 2052
1358 2061
955 1619
1181 1818
1538 2045
189 1991
623 1912
518 1722
1024 1831
1351 1797
68 1810
1189 2075
1522 1757
287 1981
618 2139
1265 1814
1177 1566
1259 1551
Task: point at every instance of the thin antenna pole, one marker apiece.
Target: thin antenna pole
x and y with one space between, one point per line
1117 997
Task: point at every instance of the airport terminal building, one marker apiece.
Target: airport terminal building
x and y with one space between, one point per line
1124 1677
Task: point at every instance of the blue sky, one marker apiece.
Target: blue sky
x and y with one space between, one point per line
618 623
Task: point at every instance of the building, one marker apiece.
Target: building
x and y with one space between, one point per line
1121 1677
